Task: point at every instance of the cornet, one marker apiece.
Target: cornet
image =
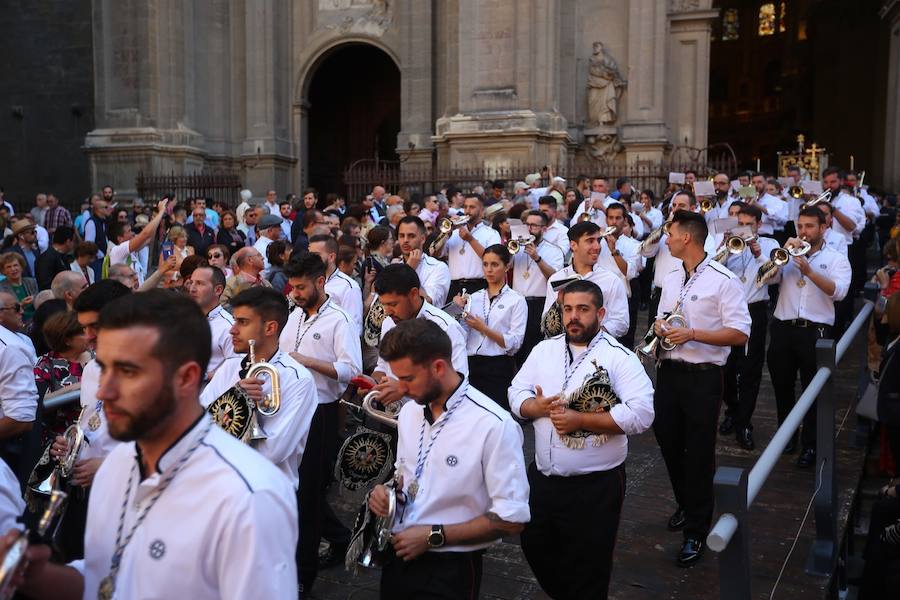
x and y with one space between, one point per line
517 244
734 244
652 343
608 231
386 415
706 205
823 197
655 235
372 534
795 192
777 259
445 228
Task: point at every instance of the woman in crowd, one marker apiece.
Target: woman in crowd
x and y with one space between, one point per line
218 255
12 265
500 224
278 253
229 235
380 246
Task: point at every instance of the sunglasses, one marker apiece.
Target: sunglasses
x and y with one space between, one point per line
215 255
14 307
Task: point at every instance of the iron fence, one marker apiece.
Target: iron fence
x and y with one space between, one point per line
224 187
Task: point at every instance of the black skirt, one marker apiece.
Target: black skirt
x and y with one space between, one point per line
491 375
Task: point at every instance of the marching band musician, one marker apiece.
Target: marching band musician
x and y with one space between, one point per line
341 288
260 314
584 241
620 254
207 285
179 488
433 274
849 220
465 247
531 267
556 233
719 210
398 287
774 209
460 466
832 238
579 456
322 337
689 377
495 327
810 287
743 370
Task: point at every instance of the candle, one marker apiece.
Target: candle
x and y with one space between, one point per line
758 169
851 162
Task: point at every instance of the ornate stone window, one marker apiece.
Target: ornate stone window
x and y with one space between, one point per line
731 25
766 19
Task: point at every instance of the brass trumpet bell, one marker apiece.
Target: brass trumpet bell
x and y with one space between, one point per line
513 246
795 192
706 205
386 415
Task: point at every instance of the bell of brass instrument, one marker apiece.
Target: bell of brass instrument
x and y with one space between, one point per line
823 197
52 474
777 259
652 343
795 192
372 533
706 205
517 244
386 415
734 244
654 236
608 231
445 228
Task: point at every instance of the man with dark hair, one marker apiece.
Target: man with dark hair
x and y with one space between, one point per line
207 285
57 258
125 244
811 286
624 190
774 209
712 306
620 254
557 233
465 247
154 349
341 288
56 215
321 336
472 493
743 370
303 228
719 210
398 289
579 457
584 242
260 314
433 274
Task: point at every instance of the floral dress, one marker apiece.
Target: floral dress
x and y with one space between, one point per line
52 372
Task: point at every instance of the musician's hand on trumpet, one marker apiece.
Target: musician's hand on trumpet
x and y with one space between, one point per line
253 386
465 234
531 250
59 448
679 335
753 244
84 471
390 390
378 499
802 264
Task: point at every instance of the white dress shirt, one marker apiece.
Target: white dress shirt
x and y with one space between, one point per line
261 245
18 392
656 217
870 205
11 504
475 465
849 206
597 217
346 293
719 210
714 300
506 313
836 241
808 301
776 217
461 258
43 237
120 254
558 235
330 335
224 528
286 430
450 326
665 262
220 324
546 366
534 284
615 298
99 443
630 254
434 279
745 266
639 228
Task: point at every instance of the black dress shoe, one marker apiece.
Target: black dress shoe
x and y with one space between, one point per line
745 438
332 556
807 458
677 520
691 551
791 446
727 426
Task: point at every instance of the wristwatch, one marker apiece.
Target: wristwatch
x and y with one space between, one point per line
436 537
539 259
616 253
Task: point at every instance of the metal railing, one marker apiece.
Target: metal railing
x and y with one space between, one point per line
736 489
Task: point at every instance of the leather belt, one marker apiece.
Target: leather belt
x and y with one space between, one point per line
687 366
804 323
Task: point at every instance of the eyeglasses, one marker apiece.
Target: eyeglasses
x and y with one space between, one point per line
14 307
215 255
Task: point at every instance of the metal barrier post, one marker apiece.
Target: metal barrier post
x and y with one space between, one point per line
822 556
864 426
734 561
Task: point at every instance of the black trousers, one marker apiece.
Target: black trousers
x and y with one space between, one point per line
532 328
792 349
317 519
653 306
491 375
882 568
470 285
570 539
646 280
687 402
743 371
634 301
433 576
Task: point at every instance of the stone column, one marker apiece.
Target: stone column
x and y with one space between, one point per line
414 143
890 13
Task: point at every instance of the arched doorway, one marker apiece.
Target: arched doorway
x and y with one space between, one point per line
353 113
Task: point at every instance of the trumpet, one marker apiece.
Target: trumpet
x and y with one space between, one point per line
777 259
372 533
823 197
517 244
795 192
608 231
733 244
706 205
386 415
445 228
654 236
652 343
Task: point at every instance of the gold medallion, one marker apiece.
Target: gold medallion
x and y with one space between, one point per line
94 422
743 279
801 282
413 489
525 275
462 250
107 588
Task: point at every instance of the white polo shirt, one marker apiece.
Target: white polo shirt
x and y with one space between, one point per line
119 254
615 298
777 215
546 367
719 209
434 279
99 443
597 216
474 466
220 324
450 326
714 300
528 279
287 429
461 258
346 293
851 207
225 528
808 301
745 266
11 504
506 313
18 392
329 335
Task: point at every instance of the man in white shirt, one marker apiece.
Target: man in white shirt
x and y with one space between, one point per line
322 337
11 504
207 285
269 228
270 205
339 286
125 244
260 314
433 274
465 247
532 266
721 202
284 209
579 456
849 220
833 239
18 392
810 287
689 377
464 487
743 370
147 524
556 233
584 241
775 210
248 225
620 254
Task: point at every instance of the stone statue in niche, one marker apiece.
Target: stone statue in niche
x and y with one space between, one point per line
603 146
604 87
